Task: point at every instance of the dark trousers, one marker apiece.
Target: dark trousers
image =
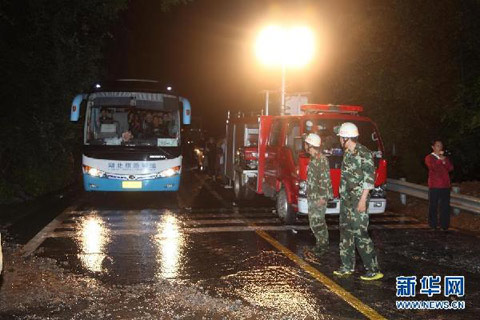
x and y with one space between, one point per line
212 157
439 197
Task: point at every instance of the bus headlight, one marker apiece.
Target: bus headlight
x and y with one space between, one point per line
94 172
169 172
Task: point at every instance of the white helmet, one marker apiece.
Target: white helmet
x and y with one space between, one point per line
348 130
313 139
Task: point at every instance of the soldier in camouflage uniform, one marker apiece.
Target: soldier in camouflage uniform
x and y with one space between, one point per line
319 190
358 173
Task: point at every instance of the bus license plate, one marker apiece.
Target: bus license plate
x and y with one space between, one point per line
132 184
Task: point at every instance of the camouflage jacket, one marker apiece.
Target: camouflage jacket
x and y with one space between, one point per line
319 184
358 171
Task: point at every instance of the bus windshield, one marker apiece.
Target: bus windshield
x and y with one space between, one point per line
132 126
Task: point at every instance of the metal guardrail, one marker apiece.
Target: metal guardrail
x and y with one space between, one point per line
457 200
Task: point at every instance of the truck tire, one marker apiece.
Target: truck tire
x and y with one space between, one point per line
284 209
237 187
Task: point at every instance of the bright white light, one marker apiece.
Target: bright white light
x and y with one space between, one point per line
270 43
169 88
170 243
98 86
293 47
300 50
94 172
94 238
169 172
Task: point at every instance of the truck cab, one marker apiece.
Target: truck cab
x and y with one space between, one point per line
282 170
265 155
241 155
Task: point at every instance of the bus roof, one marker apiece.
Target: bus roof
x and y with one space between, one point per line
129 85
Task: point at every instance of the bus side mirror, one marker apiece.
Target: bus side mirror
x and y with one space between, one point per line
75 109
187 111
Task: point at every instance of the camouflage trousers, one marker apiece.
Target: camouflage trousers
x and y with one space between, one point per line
354 234
316 218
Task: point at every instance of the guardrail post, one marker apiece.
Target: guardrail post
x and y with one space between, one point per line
403 196
456 189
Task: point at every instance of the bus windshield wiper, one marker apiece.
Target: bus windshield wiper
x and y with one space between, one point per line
166 153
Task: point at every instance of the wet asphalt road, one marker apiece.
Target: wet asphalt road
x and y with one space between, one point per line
201 237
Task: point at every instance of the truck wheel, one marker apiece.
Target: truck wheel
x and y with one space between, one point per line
237 187
284 209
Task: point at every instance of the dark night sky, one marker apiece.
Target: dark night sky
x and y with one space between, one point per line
205 49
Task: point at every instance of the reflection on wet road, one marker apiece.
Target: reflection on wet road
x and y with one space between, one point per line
170 241
93 238
193 238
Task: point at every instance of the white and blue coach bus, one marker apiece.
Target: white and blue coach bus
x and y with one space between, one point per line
131 136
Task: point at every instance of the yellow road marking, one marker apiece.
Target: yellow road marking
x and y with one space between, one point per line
330 284
327 282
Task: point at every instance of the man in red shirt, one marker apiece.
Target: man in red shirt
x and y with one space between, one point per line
439 167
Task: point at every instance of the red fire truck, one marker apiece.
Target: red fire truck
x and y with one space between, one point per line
265 155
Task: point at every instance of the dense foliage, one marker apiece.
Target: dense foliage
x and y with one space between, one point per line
51 49
415 68
413 64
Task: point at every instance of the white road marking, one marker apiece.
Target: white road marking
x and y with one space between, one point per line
153 231
125 222
45 233
230 209
227 215
120 214
205 222
227 221
150 226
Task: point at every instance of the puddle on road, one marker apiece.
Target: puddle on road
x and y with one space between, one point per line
95 242
134 248
275 287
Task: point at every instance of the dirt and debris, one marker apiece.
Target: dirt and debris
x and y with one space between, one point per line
39 288
469 188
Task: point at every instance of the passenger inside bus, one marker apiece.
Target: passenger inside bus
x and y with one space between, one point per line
109 128
143 126
135 124
159 129
148 126
105 116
